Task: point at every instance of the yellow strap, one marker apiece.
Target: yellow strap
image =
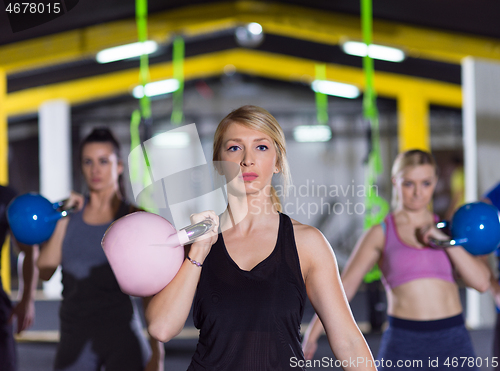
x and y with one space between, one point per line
4 175
5 265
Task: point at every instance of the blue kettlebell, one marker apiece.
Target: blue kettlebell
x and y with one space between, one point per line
33 218
475 227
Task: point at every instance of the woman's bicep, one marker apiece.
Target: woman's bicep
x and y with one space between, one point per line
323 284
326 294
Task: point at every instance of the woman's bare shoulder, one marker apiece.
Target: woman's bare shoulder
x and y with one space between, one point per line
307 236
312 248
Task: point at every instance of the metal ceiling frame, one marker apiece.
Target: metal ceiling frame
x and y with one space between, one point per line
245 61
280 19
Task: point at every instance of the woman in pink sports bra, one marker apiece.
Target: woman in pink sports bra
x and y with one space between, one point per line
424 309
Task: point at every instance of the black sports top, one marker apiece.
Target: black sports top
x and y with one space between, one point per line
250 320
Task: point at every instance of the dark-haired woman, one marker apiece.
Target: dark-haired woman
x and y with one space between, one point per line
100 325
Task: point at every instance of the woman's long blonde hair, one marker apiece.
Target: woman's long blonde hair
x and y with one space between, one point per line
257 118
407 159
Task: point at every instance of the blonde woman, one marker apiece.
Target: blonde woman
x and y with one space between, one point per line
424 309
249 282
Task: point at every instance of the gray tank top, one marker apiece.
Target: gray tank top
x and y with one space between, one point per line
90 290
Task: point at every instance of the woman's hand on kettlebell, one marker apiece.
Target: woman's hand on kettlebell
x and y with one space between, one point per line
428 232
75 200
201 246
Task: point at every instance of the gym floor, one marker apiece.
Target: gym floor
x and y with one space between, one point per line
37 347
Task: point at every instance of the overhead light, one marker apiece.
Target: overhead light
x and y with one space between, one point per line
171 140
156 88
254 28
375 51
312 133
127 51
337 89
250 35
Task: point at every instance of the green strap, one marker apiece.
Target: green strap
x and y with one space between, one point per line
135 141
374 275
178 72
141 18
369 99
138 116
376 207
321 99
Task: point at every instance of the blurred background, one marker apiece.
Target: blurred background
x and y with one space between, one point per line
438 89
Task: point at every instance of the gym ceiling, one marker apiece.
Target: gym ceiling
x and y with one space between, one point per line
57 59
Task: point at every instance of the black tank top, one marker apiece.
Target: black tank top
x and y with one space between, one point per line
250 320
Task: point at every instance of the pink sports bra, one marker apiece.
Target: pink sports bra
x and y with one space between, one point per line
402 263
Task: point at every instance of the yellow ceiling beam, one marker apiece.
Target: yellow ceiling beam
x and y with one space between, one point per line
386 84
245 61
109 85
276 18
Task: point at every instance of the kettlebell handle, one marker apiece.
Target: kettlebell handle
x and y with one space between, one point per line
190 233
59 204
60 214
443 244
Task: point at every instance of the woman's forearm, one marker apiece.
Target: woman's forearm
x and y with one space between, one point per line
471 269
50 255
352 351
29 272
168 310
